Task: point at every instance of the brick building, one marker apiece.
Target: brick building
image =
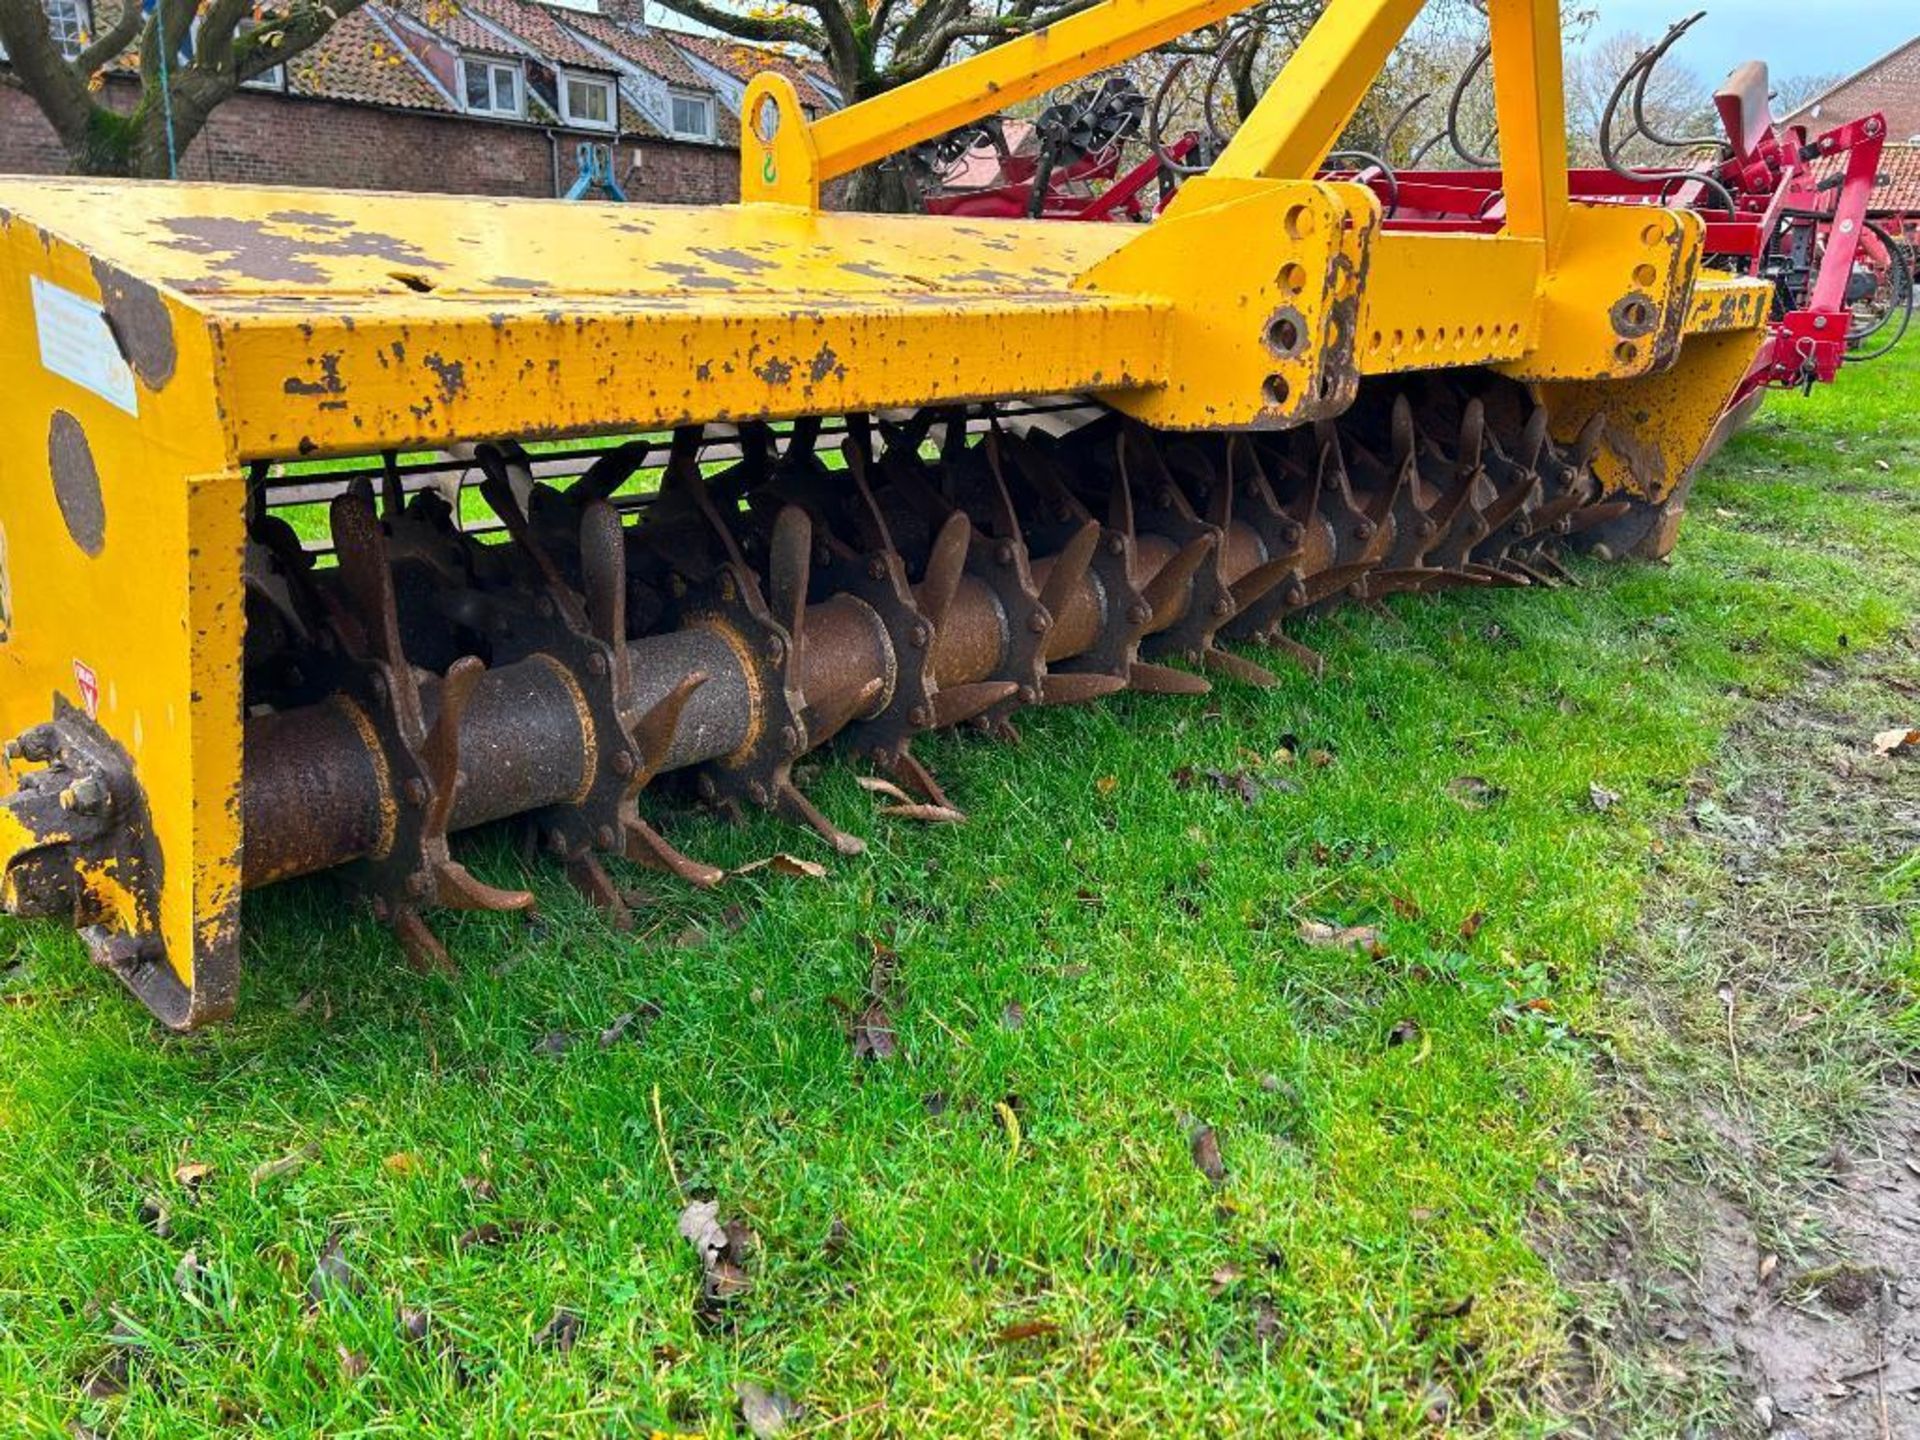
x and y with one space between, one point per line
491 97
1891 86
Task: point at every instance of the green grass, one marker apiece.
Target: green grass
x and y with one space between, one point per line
1369 1265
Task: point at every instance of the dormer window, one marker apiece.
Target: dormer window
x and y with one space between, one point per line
587 101
492 87
692 115
67 23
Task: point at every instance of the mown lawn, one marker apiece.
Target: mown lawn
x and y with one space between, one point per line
1002 1226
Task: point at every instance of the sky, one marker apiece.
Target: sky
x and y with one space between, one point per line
1794 37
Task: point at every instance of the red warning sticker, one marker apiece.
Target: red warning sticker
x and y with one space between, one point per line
89 684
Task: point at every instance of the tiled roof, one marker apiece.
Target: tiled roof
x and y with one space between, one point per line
744 61
1890 85
451 22
357 60
1899 190
538 27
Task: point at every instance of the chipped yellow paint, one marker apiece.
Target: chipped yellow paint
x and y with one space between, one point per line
269 324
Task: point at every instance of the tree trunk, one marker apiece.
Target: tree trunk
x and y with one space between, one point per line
879 188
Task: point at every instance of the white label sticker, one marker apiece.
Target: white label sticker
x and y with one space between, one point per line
77 345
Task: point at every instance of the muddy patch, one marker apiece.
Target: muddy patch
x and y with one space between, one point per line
1743 1248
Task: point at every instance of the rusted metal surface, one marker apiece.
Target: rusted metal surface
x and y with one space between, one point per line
726 629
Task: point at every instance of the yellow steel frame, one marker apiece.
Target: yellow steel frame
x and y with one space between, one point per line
300 325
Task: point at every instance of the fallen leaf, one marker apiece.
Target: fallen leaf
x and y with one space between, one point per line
152 1214
352 1363
1603 799
1014 1016
285 1165
1321 758
1896 742
190 1174
766 1413
554 1043
559 1333
1474 792
1027 1330
332 1274
415 1323
785 864
401 1162
1224 1278
929 814
1470 926
873 1034
724 1252
630 1021
1106 784
1206 1154
1339 937
1768 1264
188 1274
490 1233
1266 1323
935 1104
1403 1032
479 1187
691 938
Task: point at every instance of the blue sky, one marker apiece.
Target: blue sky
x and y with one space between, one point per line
1794 37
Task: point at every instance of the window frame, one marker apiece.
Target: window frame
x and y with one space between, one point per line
691 97
607 87
493 66
69 46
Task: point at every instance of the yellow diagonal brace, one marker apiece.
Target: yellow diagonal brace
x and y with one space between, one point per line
1304 110
995 79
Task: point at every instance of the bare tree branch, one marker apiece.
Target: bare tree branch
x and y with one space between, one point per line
767 29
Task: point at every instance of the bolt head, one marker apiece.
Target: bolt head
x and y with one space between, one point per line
623 763
416 791
789 738
1223 607
920 636
920 717
1029 695
757 792
604 837
1291 532
1363 531
1116 544
1003 553
1139 613
1039 622
776 648
597 664
876 568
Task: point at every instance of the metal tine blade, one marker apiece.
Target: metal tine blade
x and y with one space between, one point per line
440 750
945 565
608 473
1552 564
1220 500
653 732
647 846
823 725
790 572
914 776
1076 687
1069 569
1175 574
498 489
361 550
603 576
1151 679
1333 580
684 474
957 704
791 804
424 951
1592 515
440 753
1238 667
1042 472
590 878
1253 474
1473 436
1536 577
1586 444
1494 576
1120 505
1169 488
1533 440
857 448
393 491
1006 520
1304 656
1259 580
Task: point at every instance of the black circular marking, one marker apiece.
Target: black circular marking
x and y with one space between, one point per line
76 483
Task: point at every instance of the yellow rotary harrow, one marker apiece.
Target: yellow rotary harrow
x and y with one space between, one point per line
708 490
